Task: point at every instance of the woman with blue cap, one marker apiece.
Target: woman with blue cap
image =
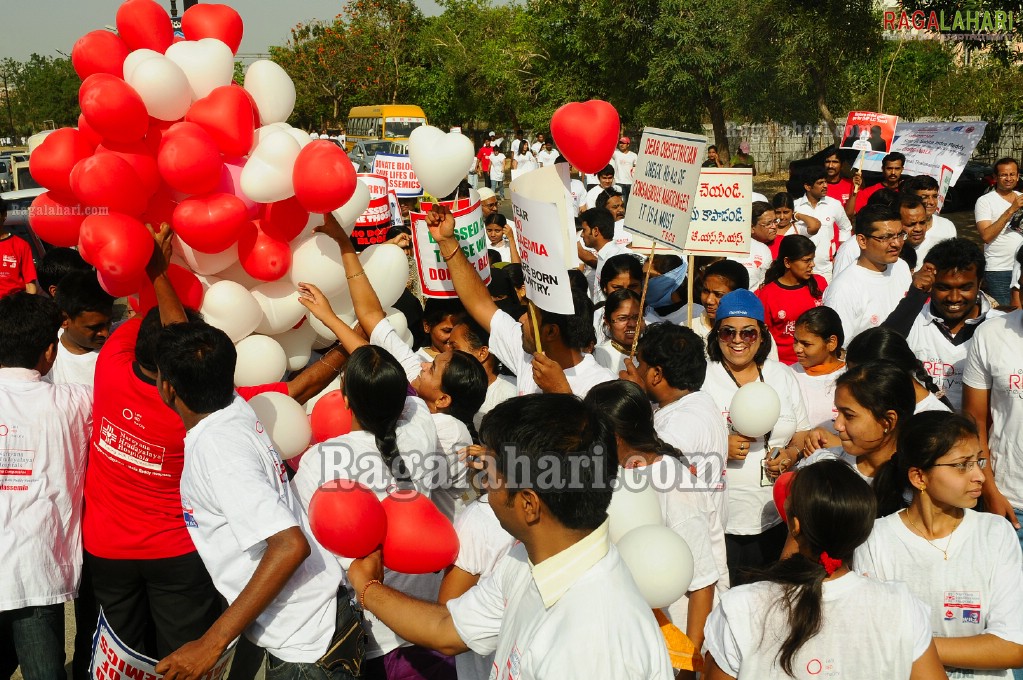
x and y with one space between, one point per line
738 347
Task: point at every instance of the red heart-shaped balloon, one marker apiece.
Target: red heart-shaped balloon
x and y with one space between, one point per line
118 245
141 159
227 115
185 284
210 224
51 163
106 180
330 417
586 133
261 256
99 52
144 24
347 518
120 286
420 539
112 108
160 208
189 160
323 176
55 220
213 21
284 220
782 485
88 134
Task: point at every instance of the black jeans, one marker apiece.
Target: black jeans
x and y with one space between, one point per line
37 634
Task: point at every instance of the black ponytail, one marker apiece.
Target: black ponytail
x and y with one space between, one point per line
884 343
465 381
376 388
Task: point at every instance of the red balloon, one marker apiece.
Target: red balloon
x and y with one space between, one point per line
118 245
189 160
154 135
89 135
284 220
226 114
781 491
347 518
55 219
160 208
323 176
210 224
120 287
51 163
140 159
419 539
107 180
261 256
213 21
144 24
99 52
256 122
112 108
586 133
185 284
330 416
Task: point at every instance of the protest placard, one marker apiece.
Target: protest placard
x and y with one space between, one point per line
372 225
550 184
113 660
869 131
666 176
930 146
540 247
434 278
397 168
722 214
392 200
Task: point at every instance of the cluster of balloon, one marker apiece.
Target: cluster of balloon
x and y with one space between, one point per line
658 558
754 409
348 519
586 133
165 135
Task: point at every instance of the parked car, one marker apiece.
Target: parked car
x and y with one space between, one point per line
18 203
363 153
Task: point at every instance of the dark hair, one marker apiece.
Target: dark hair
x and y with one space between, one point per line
892 158
871 214
676 350
957 254
662 264
576 330
714 352
628 408
496 218
823 322
80 292
887 345
608 170
149 335
712 146
465 381
615 300
782 199
542 436
28 326
376 387
812 175
514 273
909 201
921 183
604 196
436 310
731 271
58 263
1006 161
793 247
836 510
198 361
620 264
888 198
924 439
600 219
880 387
759 208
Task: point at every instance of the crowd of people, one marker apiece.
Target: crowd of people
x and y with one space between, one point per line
136 479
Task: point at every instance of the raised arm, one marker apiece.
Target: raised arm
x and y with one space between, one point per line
468 285
364 298
171 309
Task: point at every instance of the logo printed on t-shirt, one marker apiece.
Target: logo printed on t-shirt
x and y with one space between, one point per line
188 513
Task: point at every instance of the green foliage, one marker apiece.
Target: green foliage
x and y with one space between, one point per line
42 90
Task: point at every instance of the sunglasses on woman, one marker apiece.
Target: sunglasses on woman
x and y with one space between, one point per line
747 335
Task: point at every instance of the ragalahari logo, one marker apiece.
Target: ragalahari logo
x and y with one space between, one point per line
959 25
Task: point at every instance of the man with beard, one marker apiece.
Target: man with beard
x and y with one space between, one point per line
840 188
891 176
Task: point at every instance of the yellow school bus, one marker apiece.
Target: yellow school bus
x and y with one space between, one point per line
384 121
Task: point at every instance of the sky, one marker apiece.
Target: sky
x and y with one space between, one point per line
48 26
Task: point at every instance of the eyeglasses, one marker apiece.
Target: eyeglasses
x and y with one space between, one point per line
889 238
747 335
623 320
965 465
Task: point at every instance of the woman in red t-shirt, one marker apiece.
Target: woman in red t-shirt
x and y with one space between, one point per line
790 288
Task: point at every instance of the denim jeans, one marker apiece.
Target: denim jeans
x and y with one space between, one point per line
998 286
287 670
38 634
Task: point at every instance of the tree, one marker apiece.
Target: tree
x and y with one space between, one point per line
41 90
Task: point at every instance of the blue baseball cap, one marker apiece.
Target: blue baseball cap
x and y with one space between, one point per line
740 303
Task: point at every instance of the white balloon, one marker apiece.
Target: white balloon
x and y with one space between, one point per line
755 409
407 338
324 336
235 272
271 87
440 160
335 384
301 136
317 260
280 305
315 220
634 503
261 360
231 308
207 280
356 205
207 63
386 267
163 87
286 422
262 132
297 344
397 320
266 177
660 561
135 58
205 263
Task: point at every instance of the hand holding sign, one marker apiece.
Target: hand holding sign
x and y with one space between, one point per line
192 660
441 223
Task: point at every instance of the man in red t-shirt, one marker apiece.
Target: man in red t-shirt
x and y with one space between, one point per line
17 270
840 188
891 178
483 162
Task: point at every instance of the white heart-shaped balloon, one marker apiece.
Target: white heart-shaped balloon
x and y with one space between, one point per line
163 87
298 345
317 260
135 58
286 422
356 205
235 272
266 177
262 132
207 63
207 281
301 136
280 305
440 159
342 306
261 360
231 308
386 267
204 263
271 87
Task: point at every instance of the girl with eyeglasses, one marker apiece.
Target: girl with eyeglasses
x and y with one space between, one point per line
790 288
622 321
737 349
965 564
763 233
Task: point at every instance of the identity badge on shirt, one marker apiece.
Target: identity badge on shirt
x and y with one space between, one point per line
962 606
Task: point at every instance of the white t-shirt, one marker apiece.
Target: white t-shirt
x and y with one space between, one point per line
503 248
500 390
506 344
941 229
746 630
864 298
624 165
977 590
756 263
609 250
751 508
497 167
72 369
995 362
830 213
599 627
819 393
610 358
578 191
678 317
523 164
546 158
591 195
453 436
1001 252
943 360
235 495
846 257
44 444
930 403
836 453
